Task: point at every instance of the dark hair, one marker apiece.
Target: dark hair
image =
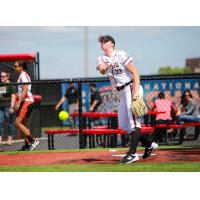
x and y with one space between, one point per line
161 95
187 91
106 38
183 100
93 85
22 64
6 72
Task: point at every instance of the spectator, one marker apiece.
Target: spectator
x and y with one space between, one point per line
188 112
95 98
7 102
189 109
72 95
165 107
95 102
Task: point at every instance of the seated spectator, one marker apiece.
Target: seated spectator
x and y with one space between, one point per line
189 109
165 107
188 112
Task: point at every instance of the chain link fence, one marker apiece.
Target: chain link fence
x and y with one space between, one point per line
45 117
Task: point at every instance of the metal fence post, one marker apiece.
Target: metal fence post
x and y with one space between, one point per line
81 136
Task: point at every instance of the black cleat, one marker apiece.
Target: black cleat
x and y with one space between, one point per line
25 148
129 158
33 145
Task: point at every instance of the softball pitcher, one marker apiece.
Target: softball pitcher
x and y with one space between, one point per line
125 78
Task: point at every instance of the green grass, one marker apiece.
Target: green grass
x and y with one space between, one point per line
136 167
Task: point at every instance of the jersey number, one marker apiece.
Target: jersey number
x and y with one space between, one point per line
118 71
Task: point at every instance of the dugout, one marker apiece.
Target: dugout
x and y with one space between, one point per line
7 63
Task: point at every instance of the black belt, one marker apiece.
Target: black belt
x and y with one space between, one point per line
123 86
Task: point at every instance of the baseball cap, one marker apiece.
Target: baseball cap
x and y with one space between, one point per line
106 38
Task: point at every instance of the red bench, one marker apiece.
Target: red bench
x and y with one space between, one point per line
181 131
178 126
144 130
91 132
106 114
103 130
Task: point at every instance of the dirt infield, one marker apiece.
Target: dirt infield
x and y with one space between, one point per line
95 157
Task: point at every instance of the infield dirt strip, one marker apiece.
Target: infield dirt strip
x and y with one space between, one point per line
95 157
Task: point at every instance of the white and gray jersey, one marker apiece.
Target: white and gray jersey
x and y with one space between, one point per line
119 75
117 71
24 78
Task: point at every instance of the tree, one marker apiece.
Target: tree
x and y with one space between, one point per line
176 70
